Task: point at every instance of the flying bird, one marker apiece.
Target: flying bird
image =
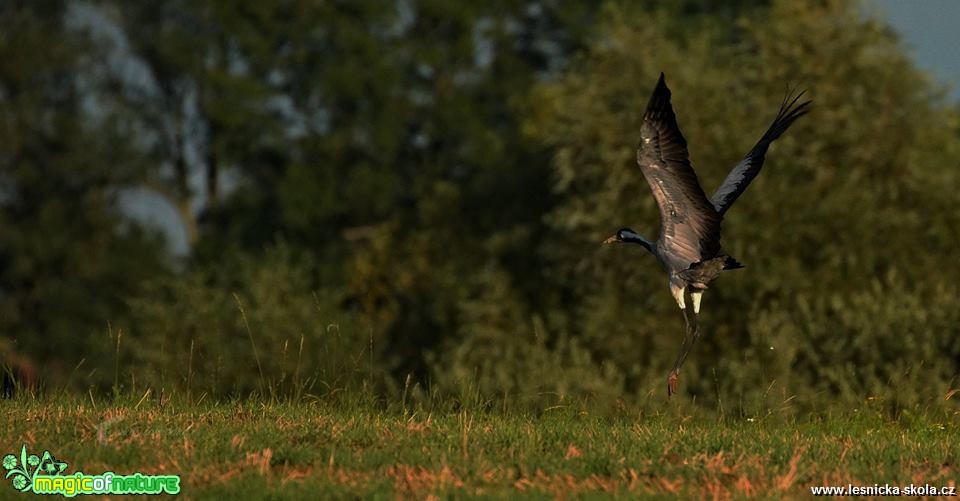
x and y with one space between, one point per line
688 247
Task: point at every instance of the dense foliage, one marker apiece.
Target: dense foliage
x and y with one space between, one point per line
412 199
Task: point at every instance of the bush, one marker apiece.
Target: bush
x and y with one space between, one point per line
249 325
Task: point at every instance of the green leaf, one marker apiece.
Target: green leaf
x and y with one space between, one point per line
15 471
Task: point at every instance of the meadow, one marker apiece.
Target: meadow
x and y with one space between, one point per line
345 448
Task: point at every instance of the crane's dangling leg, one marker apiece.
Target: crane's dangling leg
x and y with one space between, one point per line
692 333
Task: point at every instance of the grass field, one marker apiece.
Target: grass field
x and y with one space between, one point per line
251 450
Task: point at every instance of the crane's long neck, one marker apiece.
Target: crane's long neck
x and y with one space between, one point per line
634 238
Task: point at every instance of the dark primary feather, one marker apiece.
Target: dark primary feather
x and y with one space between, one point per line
748 168
689 225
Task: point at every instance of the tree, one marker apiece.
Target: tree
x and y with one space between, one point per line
379 138
68 259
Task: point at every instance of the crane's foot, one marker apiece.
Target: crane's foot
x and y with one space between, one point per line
672 381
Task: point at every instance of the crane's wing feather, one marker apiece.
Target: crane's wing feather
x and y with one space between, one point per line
737 180
689 225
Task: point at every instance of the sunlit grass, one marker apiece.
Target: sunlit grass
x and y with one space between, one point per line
250 448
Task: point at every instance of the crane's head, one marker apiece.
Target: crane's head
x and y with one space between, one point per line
628 236
625 236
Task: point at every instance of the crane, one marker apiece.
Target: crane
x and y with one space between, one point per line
688 247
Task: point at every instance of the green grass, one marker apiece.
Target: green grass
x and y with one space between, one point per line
251 450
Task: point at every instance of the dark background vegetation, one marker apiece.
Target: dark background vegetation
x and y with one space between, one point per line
409 198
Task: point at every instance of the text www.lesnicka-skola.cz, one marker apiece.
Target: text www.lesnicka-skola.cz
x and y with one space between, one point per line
884 490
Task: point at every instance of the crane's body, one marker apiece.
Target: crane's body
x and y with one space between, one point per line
688 247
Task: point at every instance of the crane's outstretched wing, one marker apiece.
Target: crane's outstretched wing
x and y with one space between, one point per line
748 168
689 225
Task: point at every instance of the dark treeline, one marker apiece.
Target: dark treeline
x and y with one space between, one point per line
410 196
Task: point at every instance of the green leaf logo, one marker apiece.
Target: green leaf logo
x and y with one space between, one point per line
24 470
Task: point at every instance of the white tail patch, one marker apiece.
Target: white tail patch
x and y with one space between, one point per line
696 296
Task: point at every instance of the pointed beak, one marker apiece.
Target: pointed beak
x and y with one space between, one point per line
611 240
